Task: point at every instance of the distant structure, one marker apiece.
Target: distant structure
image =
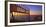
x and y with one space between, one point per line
20 13
15 8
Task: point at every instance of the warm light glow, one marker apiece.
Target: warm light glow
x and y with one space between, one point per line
19 14
35 12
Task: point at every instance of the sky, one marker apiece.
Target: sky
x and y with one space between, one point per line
34 9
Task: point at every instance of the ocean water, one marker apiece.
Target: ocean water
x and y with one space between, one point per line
26 18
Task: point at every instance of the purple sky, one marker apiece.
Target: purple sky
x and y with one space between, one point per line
34 9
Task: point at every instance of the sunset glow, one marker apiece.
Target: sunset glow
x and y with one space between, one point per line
34 9
19 14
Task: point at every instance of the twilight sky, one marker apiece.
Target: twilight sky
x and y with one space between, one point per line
34 9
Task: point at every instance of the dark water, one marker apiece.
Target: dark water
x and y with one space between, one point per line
26 18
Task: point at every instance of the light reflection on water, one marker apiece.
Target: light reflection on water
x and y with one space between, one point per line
27 18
